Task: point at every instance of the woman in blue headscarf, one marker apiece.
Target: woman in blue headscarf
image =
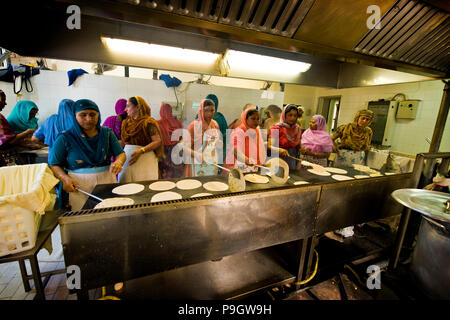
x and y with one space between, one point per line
56 123
23 116
85 151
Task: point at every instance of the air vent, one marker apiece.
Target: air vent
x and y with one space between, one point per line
411 32
280 17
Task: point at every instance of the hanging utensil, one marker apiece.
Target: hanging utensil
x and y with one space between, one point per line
90 195
236 180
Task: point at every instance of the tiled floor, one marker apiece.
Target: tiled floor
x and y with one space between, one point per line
11 285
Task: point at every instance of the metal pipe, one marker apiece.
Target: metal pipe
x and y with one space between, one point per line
406 214
441 119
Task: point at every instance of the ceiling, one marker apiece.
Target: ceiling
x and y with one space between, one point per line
332 35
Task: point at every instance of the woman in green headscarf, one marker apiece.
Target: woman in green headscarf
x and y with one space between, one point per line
23 116
355 138
220 119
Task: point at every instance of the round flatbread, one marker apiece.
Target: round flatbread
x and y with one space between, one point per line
127 189
360 176
188 184
336 170
363 168
215 186
256 178
114 202
300 182
166 196
389 173
339 177
377 174
198 195
162 185
319 173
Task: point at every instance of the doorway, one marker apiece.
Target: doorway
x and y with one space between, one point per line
329 107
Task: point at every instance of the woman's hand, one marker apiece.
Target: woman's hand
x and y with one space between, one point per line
116 167
283 152
29 132
135 156
68 184
335 149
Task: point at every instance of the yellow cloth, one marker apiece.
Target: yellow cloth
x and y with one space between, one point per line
28 187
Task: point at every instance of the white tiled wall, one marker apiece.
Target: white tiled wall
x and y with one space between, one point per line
409 135
50 87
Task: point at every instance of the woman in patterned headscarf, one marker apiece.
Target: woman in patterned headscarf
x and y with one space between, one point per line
355 138
143 143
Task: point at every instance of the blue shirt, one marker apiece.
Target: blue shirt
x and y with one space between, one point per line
67 156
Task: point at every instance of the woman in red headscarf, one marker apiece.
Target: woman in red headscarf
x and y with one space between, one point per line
204 144
246 146
289 136
168 124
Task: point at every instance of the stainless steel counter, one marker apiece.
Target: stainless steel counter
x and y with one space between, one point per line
124 243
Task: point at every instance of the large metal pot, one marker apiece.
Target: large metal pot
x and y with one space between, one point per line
431 259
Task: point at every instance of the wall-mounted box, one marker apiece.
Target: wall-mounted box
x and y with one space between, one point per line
407 109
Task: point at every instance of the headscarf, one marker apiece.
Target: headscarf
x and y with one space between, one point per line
355 137
218 117
58 122
318 140
252 140
19 117
289 135
114 122
132 127
198 127
168 124
95 152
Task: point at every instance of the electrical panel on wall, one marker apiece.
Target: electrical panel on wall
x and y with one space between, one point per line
407 109
177 109
384 121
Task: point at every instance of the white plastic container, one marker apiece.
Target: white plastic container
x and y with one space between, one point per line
25 194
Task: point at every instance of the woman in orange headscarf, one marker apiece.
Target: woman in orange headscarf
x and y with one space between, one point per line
246 146
143 143
168 125
205 144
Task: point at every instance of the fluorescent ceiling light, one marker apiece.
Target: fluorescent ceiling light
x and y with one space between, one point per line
263 67
161 54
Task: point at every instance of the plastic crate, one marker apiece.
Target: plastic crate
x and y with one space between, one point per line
19 228
26 192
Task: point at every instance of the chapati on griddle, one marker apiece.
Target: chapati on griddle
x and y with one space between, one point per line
129 188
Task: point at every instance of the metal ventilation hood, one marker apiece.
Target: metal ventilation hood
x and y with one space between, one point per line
412 42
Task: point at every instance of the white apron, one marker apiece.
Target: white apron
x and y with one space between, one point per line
88 178
144 169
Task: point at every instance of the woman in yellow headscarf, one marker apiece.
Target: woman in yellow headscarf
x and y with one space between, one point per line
143 143
355 138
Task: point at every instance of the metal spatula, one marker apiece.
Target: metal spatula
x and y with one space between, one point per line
90 195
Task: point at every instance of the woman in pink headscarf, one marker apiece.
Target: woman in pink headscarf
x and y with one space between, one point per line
205 142
246 146
115 122
316 142
168 124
